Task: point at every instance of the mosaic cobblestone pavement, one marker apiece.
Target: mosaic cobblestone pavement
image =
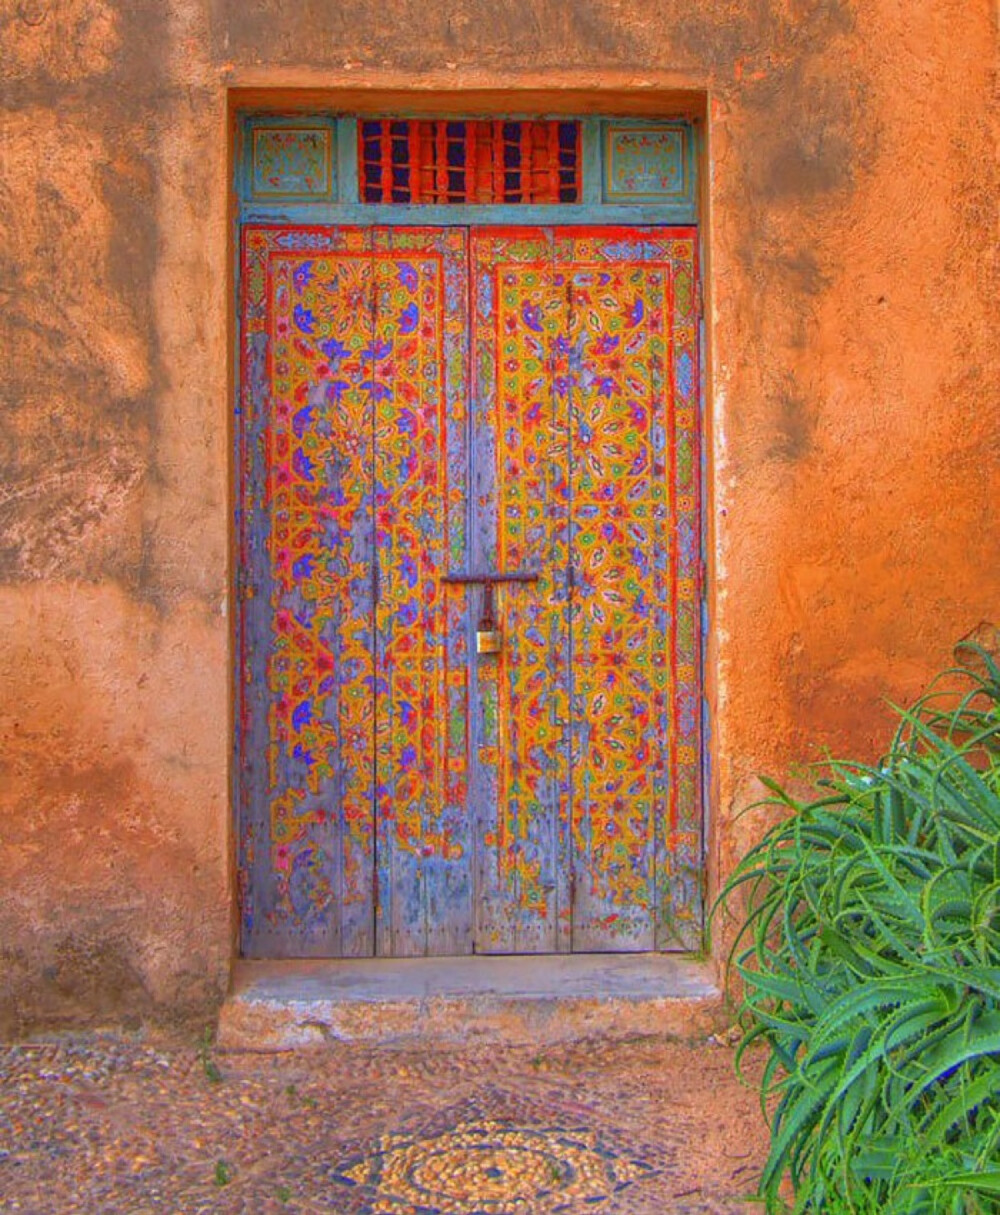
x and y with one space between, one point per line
107 1125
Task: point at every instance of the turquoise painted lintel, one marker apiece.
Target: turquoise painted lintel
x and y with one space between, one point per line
401 214
343 205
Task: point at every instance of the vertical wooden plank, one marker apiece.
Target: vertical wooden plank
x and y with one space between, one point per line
385 149
591 161
402 767
618 501
490 929
253 585
560 659
520 452
308 626
441 161
453 888
636 700
418 385
680 847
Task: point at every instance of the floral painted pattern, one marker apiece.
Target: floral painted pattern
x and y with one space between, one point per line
398 793
647 163
522 452
424 848
585 375
291 162
353 502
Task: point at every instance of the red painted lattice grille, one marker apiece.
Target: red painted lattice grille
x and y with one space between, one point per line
444 161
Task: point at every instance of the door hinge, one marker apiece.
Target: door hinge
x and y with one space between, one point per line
699 299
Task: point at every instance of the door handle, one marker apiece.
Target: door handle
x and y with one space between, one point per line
491 578
489 639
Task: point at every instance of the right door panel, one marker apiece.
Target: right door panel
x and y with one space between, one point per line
586 755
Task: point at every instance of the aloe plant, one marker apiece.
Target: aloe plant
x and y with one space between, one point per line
870 962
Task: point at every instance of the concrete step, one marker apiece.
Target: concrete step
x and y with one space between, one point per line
538 999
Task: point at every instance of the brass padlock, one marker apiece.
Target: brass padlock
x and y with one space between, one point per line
489 637
488 641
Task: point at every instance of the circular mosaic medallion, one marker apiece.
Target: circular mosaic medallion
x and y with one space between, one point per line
490 1168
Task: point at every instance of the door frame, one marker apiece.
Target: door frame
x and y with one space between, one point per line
246 104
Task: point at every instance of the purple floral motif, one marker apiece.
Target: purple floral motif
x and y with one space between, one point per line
335 390
302 421
303 465
377 350
531 314
304 756
379 391
304 318
408 570
334 350
409 318
408 613
302 276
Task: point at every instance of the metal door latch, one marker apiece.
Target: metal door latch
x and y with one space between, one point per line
489 637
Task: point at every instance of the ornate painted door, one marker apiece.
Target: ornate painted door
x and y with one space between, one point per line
354 833
400 794
585 458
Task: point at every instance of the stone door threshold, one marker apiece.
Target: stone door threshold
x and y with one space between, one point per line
550 998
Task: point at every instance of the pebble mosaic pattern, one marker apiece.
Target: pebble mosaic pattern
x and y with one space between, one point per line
112 1126
489 1166
497 1153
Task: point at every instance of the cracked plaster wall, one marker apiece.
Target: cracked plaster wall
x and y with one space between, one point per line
854 429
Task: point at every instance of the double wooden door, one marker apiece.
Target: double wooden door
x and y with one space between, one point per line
421 403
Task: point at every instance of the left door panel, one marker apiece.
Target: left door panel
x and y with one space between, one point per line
351 403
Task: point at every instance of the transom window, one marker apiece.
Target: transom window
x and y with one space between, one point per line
447 161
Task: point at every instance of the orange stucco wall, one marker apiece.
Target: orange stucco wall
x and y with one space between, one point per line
853 424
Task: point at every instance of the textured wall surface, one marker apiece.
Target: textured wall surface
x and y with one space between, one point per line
854 427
